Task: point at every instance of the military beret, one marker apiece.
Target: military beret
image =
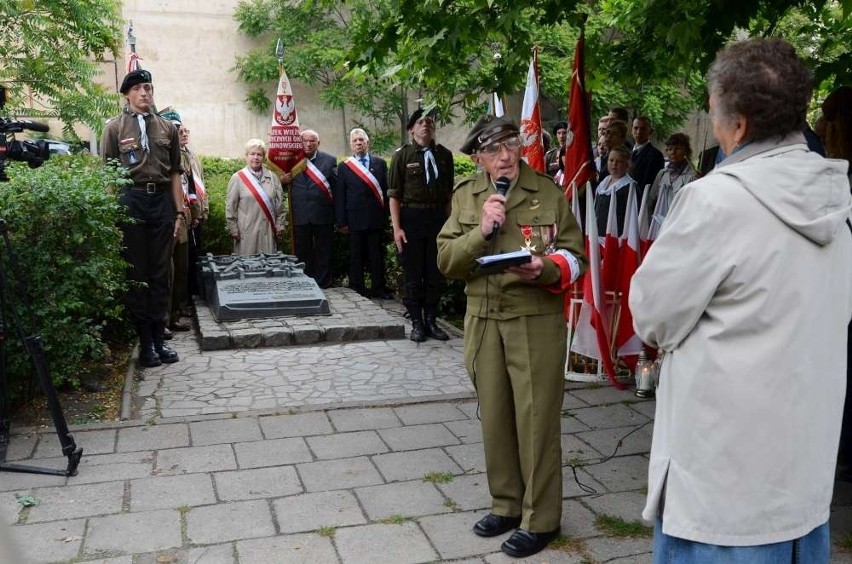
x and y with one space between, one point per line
133 78
487 130
417 114
171 115
560 125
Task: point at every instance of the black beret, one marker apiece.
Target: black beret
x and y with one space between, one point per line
133 78
560 125
417 114
487 130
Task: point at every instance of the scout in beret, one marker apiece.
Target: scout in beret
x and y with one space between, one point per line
133 78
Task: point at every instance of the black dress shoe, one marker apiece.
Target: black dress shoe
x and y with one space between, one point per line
524 543
148 357
382 295
492 525
178 326
435 332
165 353
417 334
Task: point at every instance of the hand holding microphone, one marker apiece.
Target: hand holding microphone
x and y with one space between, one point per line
494 209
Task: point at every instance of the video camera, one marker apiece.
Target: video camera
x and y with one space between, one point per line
34 153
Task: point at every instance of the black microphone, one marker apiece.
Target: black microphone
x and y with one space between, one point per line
502 186
34 126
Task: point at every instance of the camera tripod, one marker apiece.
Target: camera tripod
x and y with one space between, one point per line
33 346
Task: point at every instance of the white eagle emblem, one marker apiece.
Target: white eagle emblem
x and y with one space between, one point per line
285 109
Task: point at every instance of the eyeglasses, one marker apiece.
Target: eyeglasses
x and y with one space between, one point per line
512 143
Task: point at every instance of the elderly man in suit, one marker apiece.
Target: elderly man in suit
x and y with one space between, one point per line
645 159
312 199
361 207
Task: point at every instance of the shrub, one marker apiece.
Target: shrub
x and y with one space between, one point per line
62 221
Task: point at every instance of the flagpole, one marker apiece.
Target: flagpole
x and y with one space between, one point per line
279 54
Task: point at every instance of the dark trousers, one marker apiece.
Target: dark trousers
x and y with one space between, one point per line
424 283
366 243
147 247
180 267
312 244
193 284
845 454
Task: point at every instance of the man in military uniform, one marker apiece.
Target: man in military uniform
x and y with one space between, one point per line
148 146
420 186
515 331
551 158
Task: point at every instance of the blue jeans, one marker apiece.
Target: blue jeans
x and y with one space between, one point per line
812 548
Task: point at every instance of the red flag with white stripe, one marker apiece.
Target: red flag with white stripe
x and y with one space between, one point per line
532 148
579 163
626 341
611 251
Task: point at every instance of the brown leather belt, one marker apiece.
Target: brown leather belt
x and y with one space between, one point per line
152 188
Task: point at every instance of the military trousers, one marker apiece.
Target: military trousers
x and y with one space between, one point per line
517 367
424 283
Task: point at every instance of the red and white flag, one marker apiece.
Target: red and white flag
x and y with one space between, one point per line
579 163
285 137
626 341
644 224
133 62
497 104
532 147
610 248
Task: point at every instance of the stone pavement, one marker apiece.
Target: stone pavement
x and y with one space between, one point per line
368 465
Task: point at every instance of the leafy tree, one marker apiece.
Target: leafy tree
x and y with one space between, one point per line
315 37
50 51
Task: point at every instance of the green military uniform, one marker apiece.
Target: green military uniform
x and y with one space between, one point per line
515 338
147 242
423 210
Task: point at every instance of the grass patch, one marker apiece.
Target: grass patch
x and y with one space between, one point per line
395 520
183 509
451 503
567 544
618 527
438 477
327 531
567 413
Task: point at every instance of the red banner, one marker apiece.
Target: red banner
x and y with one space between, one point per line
285 148
579 165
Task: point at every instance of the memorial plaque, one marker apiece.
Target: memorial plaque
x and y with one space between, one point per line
258 286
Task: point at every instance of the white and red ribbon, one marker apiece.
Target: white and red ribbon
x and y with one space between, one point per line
250 181
368 178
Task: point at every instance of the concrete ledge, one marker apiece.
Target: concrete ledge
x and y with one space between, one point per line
353 318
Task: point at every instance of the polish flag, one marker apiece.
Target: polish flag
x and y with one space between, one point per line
611 250
532 148
498 106
626 341
644 224
579 163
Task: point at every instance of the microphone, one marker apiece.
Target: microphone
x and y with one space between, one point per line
502 186
34 126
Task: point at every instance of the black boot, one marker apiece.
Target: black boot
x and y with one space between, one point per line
433 331
148 357
418 332
164 352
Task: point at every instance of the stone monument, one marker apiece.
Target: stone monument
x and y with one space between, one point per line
258 286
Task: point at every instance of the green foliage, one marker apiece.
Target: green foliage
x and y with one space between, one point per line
51 51
217 173
438 477
617 527
62 222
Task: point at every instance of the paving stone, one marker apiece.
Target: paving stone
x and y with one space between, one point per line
609 416
452 535
229 521
275 452
9 508
93 442
619 441
470 458
570 401
468 492
345 445
605 549
112 467
621 473
130 533
407 499
211 554
624 505
577 521
69 502
363 419
580 485
413 465
21 480
602 394
195 459
289 549
418 436
570 424
338 474
398 544
171 492
224 431
257 483
153 437
647 558
21 446
311 511
466 430
59 540
546 556
115 560
645 407
297 425
574 449
429 413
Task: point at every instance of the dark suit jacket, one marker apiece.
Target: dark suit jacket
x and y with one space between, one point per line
645 165
310 204
354 202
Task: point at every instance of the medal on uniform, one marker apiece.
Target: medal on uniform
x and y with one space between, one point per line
526 231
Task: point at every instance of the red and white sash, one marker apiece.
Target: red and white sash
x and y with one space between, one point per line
200 189
319 179
250 181
368 178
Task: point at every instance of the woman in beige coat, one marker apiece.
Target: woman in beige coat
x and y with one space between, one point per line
254 205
